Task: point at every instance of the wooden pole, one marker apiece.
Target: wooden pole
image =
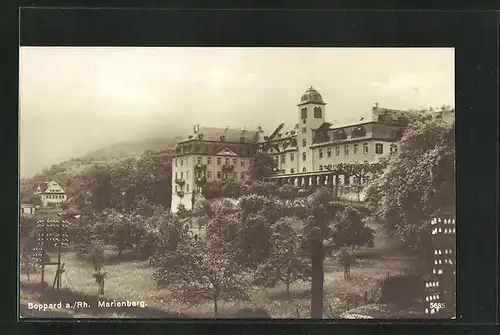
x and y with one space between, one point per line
43 250
58 273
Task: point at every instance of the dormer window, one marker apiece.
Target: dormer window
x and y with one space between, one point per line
340 134
358 131
242 139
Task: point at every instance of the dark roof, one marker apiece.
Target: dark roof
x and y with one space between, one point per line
311 95
43 186
231 135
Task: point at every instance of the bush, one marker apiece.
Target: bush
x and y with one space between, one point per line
402 288
258 313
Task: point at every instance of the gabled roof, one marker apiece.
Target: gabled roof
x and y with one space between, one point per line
227 152
42 187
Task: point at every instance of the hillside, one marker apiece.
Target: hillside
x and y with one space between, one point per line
131 149
69 172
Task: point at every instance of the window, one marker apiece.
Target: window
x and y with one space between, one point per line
175 188
303 113
346 150
219 160
337 151
198 174
209 175
219 175
182 175
182 162
242 175
292 157
292 171
329 152
317 112
283 159
200 160
356 147
187 187
234 162
320 153
304 142
304 156
235 175
176 162
321 167
365 148
304 130
226 161
379 148
209 160
187 174
304 169
176 176
346 180
242 163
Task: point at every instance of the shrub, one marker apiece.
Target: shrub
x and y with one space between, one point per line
402 288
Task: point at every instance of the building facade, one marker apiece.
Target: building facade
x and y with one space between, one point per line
51 194
304 153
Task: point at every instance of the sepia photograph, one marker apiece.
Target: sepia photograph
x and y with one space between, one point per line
237 183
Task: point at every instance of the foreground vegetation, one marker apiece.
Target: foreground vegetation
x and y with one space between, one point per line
285 251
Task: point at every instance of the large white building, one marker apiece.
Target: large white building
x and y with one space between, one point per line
50 194
304 152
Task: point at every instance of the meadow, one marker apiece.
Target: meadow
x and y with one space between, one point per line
131 279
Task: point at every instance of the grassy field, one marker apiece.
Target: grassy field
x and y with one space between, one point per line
131 279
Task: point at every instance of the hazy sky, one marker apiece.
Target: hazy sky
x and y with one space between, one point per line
73 100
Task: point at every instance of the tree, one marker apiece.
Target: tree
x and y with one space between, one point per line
351 231
97 259
101 188
418 182
123 182
160 233
262 166
287 192
154 177
212 190
202 269
28 263
347 258
360 171
121 230
286 262
232 189
319 213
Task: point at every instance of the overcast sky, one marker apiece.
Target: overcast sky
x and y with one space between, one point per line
73 100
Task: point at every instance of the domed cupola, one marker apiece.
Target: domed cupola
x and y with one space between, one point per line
311 96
